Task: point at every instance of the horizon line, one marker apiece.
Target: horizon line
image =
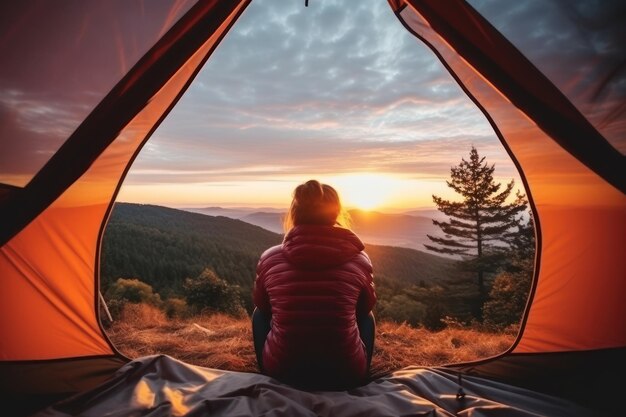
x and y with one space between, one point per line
226 205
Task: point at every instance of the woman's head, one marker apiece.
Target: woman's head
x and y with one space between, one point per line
315 203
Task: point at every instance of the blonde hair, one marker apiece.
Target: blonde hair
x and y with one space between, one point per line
315 203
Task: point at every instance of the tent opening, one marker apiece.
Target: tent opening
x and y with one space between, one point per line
290 95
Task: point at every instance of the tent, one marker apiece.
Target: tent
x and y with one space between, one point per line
76 108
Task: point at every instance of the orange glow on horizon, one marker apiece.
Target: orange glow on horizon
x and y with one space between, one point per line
362 190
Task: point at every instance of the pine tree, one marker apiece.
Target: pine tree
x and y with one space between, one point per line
483 225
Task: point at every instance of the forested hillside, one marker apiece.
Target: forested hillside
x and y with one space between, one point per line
163 246
409 266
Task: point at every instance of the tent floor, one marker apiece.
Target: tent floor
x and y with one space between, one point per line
163 386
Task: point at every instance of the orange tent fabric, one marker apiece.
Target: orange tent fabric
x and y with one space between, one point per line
565 188
575 181
54 216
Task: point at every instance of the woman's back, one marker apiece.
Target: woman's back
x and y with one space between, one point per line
314 285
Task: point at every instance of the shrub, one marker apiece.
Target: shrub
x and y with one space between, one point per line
132 291
435 313
175 307
507 299
209 293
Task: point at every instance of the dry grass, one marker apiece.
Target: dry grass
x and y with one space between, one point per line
215 341
400 345
221 341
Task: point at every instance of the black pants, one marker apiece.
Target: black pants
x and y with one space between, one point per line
261 325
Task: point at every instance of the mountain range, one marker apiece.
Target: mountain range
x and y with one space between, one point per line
162 246
406 230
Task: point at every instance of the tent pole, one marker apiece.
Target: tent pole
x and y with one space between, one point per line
104 304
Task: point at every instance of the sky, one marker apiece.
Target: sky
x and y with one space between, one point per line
346 96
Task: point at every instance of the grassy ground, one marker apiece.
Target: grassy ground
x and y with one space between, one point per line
224 342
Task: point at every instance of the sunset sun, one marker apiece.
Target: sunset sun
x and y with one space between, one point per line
365 191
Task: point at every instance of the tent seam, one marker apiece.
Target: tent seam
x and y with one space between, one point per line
538 237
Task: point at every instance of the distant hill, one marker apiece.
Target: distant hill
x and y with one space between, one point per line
431 213
232 212
163 246
268 220
393 229
403 230
410 266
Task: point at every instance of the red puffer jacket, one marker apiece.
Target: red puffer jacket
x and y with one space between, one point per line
314 285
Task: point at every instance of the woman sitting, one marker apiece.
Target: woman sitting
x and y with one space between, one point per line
313 325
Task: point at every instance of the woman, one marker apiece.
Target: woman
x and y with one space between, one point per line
313 325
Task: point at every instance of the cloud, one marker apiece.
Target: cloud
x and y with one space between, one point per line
266 158
328 88
317 91
38 124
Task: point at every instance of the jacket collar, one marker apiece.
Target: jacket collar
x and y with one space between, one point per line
318 247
